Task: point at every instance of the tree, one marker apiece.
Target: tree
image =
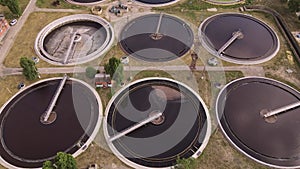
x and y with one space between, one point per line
29 68
56 3
61 161
112 66
118 75
185 163
48 165
64 161
248 2
115 69
90 72
13 6
294 5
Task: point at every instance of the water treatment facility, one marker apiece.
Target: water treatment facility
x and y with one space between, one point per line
150 84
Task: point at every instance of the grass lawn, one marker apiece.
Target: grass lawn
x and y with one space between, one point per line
219 154
224 0
63 5
195 5
152 73
9 86
96 154
284 80
232 75
281 7
24 43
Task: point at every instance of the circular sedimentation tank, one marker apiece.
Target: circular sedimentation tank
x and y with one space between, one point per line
26 141
74 39
239 38
156 38
241 108
85 2
156 3
225 2
181 126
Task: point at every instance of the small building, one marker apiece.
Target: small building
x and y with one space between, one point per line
102 80
4 26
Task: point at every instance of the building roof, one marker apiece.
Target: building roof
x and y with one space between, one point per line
100 77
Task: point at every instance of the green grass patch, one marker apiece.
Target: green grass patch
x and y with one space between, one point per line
219 154
152 73
224 0
281 7
63 5
269 75
196 5
232 75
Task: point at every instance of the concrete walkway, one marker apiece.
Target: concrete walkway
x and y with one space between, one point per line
247 70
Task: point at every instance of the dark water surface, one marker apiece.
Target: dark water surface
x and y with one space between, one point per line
86 1
155 1
26 142
176 41
239 110
259 40
181 134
